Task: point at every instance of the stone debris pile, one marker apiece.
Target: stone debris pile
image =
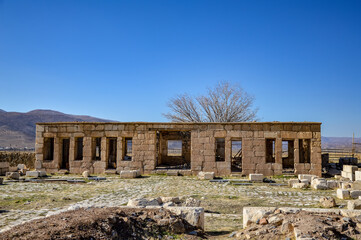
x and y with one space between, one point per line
187 208
313 181
22 170
164 202
106 223
296 223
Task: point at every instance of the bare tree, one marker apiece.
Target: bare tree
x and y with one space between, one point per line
224 103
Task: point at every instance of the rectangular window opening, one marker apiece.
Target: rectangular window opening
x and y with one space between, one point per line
220 149
48 149
174 148
270 151
128 149
305 150
79 148
96 148
284 149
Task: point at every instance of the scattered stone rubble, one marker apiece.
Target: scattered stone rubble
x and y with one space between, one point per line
297 223
14 173
313 181
188 208
164 202
106 223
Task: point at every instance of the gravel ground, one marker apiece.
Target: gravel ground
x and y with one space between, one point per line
223 202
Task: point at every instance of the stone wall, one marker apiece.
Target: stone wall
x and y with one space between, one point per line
146 150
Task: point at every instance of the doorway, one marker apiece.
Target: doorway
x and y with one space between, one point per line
65 154
288 160
112 153
236 155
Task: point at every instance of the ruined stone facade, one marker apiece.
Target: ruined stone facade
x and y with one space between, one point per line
270 148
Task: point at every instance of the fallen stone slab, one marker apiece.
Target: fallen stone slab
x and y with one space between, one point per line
292 181
357 175
75 181
13 175
309 177
97 178
343 193
240 180
306 181
348 175
219 180
300 185
129 173
332 184
349 168
256 177
355 193
319 184
35 174
206 175
143 202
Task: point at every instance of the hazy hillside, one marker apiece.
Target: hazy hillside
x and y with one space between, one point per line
18 129
339 142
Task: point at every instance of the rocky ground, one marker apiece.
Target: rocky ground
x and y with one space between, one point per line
105 223
223 202
302 225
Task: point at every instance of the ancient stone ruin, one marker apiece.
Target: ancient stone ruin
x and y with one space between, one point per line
269 148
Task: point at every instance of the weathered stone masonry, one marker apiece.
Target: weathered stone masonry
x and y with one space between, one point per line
263 147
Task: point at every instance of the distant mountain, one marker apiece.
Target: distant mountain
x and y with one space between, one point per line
18 129
339 142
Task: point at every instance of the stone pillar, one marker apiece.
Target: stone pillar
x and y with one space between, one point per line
57 151
87 153
296 152
71 150
104 148
119 151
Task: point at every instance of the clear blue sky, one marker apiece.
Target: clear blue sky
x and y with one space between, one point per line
122 60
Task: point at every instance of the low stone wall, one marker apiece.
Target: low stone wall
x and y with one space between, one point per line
15 158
